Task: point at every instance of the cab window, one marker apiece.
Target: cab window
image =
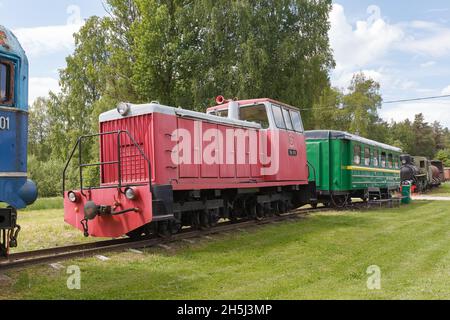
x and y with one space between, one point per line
296 120
367 156
383 159
221 113
6 83
287 119
254 113
278 117
357 155
376 161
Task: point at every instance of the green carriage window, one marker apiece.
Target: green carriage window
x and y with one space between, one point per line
376 161
383 159
396 162
357 155
367 156
390 161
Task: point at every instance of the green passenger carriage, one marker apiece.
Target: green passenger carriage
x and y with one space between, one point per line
345 166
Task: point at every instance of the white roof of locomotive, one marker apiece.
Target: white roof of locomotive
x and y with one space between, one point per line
143 109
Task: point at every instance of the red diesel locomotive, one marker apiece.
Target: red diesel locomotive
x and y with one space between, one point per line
163 168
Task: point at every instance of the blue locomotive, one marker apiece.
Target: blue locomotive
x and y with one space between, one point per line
16 191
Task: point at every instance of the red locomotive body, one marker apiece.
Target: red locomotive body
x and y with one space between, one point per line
163 168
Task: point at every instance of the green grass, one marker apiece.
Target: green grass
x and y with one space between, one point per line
44 229
46 204
323 257
443 190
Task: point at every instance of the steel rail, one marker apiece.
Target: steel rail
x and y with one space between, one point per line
57 254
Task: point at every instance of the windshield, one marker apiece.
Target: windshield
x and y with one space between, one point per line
5 83
255 113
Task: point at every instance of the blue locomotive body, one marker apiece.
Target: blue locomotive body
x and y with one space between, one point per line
16 191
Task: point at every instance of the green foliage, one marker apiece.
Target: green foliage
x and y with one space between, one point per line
47 174
444 156
180 53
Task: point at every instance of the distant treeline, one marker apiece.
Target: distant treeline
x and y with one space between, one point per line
185 53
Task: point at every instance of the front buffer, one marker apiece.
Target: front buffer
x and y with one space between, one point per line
108 213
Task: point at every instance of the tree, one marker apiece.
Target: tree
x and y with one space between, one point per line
424 143
444 156
39 129
363 101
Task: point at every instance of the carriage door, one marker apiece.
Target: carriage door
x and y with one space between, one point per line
291 149
253 151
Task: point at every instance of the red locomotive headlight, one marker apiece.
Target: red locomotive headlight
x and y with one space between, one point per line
131 194
73 196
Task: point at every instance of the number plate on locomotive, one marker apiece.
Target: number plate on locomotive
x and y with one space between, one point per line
4 123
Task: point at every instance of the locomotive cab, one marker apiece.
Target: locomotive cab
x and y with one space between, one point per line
283 124
16 191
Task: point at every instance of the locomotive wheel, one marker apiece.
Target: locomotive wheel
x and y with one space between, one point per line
195 220
214 217
282 206
175 227
259 212
163 229
277 208
204 220
267 210
139 233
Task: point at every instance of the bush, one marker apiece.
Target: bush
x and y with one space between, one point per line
47 175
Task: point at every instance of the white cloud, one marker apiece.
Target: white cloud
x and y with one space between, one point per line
446 90
428 64
40 41
426 38
357 47
432 110
385 52
367 43
40 87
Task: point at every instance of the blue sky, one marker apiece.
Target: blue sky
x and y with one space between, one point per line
405 45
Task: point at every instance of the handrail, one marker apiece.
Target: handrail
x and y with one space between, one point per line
314 170
81 165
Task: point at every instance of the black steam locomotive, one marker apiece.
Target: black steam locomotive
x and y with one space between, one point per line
422 173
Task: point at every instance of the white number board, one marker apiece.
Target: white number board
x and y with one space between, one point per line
4 123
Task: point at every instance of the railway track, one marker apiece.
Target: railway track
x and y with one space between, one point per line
57 254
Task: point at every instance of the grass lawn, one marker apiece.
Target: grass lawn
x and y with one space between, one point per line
323 257
442 191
